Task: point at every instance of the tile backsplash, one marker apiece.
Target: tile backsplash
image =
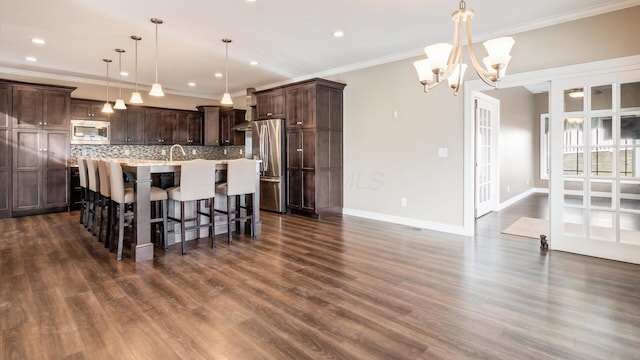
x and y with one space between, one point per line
154 152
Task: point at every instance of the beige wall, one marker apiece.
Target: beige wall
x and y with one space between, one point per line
516 139
387 158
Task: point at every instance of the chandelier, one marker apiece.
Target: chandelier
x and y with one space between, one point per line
444 61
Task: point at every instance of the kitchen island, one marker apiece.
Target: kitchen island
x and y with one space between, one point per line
141 171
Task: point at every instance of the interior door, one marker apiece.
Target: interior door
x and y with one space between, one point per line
487 114
595 165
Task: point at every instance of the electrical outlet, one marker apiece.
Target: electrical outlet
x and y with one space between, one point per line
527 181
224 151
127 152
164 152
508 189
193 151
403 202
240 151
84 152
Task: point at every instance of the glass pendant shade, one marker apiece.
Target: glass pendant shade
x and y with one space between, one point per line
156 90
423 67
135 95
120 105
438 54
136 98
107 108
499 49
226 99
457 75
119 101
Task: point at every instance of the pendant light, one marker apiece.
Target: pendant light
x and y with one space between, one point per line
107 105
226 98
156 88
119 102
135 96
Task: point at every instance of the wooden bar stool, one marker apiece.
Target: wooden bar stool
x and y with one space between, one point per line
105 201
84 194
197 182
122 198
94 195
241 180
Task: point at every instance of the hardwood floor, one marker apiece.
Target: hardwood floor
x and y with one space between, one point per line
340 288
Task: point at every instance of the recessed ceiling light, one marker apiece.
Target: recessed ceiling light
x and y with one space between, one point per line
251 0
31 58
218 75
192 84
254 63
38 41
338 34
124 73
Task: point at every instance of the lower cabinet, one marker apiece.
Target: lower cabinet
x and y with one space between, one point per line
75 191
40 174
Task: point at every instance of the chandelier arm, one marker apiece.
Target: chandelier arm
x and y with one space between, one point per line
456 52
482 73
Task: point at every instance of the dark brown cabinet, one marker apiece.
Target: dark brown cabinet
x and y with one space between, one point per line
75 190
211 125
37 107
314 147
88 110
228 119
159 126
5 151
127 126
189 128
270 104
40 174
301 105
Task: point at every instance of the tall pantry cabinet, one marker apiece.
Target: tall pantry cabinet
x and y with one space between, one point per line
5 150
39 122
313 115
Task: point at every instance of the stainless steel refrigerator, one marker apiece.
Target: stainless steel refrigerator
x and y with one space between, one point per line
268 145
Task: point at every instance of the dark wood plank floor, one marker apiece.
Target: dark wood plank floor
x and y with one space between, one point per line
340 288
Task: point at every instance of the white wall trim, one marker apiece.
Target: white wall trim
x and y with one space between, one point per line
515 199
422 224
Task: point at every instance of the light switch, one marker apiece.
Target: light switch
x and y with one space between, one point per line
443 152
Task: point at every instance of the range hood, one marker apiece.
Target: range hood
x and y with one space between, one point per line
251 103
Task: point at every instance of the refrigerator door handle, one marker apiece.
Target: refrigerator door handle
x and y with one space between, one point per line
270 180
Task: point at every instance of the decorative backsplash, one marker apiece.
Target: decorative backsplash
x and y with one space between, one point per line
154 152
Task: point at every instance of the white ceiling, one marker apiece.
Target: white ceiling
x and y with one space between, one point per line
291 39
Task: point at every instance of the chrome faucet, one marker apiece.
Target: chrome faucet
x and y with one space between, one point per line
171 151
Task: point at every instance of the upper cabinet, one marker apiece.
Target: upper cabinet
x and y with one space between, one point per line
189 128
228 119
127 126
41 107
211 125
270 104
88 110
301 106
160 126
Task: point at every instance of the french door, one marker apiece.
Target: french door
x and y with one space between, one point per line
595 165
487 115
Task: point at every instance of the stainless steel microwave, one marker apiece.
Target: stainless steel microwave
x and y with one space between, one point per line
90 132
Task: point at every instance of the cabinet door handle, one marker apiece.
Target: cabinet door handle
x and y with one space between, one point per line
45 123
269 114
40 123
299 123
299 150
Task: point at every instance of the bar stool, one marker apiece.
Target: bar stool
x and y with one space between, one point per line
197 182
125 197
84 194
241 180
94 195
105 201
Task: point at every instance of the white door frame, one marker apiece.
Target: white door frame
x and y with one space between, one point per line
533 77
495 157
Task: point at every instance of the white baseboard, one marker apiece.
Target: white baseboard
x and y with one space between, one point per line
422 224
521 196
